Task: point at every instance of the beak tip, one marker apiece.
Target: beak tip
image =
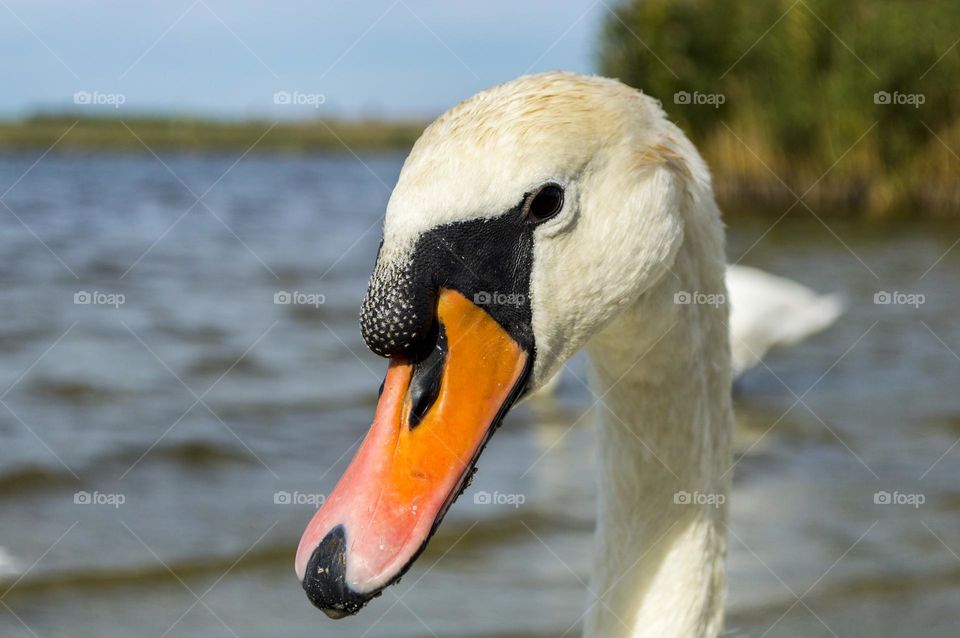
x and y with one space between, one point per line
335 614
324 579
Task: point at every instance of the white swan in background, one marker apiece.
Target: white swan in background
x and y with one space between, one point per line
769 312
545 215
766 312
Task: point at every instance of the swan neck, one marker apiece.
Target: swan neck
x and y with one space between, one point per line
664 380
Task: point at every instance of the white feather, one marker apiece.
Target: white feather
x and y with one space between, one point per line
769 312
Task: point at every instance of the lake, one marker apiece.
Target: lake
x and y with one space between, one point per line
169 423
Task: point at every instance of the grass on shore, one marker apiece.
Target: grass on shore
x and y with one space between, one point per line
750 172
187 134
854 104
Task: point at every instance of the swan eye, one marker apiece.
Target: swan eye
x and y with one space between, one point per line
543 204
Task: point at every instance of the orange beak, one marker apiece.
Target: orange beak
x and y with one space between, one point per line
431 424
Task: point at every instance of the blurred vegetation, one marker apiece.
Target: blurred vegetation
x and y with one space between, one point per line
799 81
164 134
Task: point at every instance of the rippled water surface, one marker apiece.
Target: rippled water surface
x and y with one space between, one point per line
199 403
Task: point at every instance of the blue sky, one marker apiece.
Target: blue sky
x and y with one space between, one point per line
397 58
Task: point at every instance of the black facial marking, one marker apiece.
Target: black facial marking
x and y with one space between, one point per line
487 260
425 384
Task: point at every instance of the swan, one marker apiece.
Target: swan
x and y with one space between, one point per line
548 214
766 312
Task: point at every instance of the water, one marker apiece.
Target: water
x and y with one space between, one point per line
200 403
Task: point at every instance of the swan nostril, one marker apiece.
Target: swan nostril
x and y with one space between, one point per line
427 373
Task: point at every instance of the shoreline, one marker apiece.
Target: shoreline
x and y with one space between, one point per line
741 186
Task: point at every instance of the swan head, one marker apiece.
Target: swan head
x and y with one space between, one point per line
523 221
